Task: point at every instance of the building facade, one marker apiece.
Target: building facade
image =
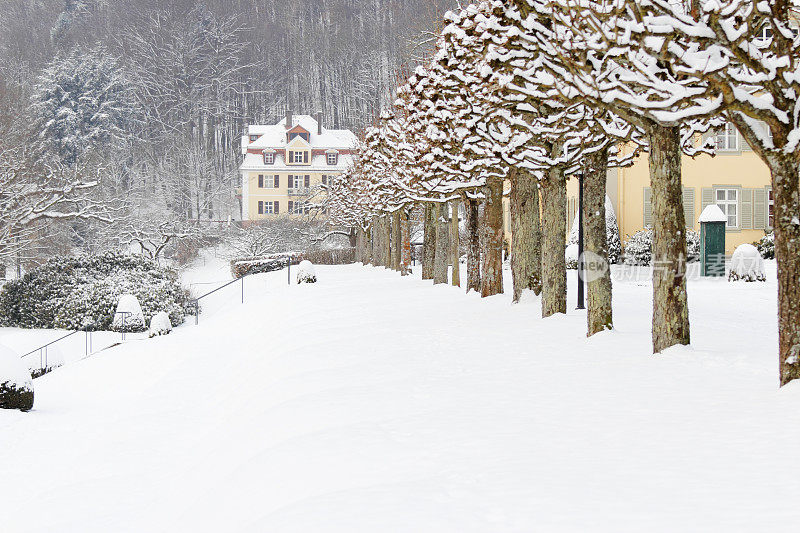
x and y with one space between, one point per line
286 164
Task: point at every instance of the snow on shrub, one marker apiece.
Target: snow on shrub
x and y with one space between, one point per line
639 248
612 235
160 324
69 292
766 245
571 256
128 316
16 385
747 264
306 272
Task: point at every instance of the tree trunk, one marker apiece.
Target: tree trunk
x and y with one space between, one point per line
377 237
473 246
526 236
368 233
397 243
670 307
429 244
360 255
492 243
786 191
596 268
442 245
554 239
387 241
405 243
455 245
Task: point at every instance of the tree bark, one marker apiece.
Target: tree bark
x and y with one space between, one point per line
377 237
670 306
429 244
596 268
473 246
526 234
554 239
397 242
405 243
360 245
368 234
455 251
442 245
387 241
492 243
786 191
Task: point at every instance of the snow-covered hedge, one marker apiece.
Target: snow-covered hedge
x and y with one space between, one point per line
766 246
639 247
306 273
747 264
68 292
160 324
571 256
269 263
16 385
128 316
612 236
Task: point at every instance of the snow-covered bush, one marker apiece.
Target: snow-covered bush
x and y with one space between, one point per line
160 324
766 246
68 292
571 256
639 248
128 316
306 272
16 385
612 235
747 264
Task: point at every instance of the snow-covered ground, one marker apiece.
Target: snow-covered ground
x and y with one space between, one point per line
369 402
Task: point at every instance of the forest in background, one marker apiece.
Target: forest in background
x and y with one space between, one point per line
131 112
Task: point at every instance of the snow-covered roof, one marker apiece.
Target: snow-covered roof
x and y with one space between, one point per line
274 136
712 213
319 163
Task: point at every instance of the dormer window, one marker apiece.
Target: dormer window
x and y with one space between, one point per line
254 138
332 159
303 136
269 158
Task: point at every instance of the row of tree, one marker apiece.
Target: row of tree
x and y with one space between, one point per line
531 92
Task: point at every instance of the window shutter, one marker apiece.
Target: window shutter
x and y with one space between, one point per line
277 207
276 181
648 207
261 181
746 209
260 208
759 208
291 157
307 181
706 197
324 179
291 204
688 206
291 181
305 157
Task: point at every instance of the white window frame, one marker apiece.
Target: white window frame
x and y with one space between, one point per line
298 181
298 156
726 203
728 139
269 158
269 208
332 159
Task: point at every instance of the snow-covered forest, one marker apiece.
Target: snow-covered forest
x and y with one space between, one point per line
130 113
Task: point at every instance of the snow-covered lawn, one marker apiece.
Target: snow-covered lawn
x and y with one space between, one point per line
368 402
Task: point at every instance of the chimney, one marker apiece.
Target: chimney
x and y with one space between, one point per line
319 123
288 120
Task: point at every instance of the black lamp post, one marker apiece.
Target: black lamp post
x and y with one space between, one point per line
580 242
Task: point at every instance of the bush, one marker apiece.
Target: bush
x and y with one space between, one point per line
612 235
68 292
128 317
571 256
160 324
16 386
306 273
638 249
747 264
766 246
272 262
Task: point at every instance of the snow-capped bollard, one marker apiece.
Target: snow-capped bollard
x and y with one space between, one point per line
306 273
129 316
16 385
747 264
160 324
712 241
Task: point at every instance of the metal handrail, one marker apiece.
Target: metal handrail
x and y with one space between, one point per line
42 347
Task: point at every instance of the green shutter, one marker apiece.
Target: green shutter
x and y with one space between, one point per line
706 197
688 206
648 207
759 208
746 207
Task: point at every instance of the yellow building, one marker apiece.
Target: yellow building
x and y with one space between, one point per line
286 163
735 179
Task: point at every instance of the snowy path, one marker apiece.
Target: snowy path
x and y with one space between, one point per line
368 402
